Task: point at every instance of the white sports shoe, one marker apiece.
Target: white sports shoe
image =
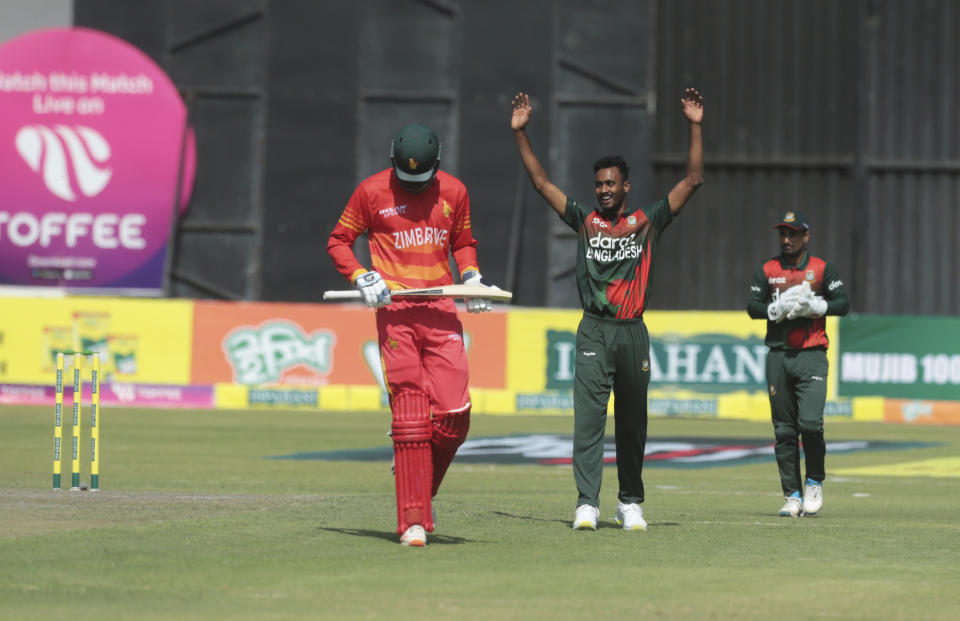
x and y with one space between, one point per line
414 537
812 499
792 508
630 516
586 518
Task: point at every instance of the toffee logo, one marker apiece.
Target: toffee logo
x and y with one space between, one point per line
55 153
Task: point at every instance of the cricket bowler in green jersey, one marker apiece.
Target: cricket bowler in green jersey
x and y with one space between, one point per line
794 292
616 246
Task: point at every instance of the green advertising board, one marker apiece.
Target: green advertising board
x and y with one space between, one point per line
900 356
702 362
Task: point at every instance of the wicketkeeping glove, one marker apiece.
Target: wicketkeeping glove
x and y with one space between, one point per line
783 302
801 303
478 305
374 290
808 305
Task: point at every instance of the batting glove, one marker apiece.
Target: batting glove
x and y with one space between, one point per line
478 305
374 290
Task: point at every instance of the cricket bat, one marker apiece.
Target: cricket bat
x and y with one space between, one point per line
444 291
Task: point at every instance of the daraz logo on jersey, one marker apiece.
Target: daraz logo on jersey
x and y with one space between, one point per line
605 249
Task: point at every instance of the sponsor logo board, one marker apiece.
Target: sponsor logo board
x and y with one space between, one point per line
94 146
556 449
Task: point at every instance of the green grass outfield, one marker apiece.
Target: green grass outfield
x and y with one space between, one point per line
195 523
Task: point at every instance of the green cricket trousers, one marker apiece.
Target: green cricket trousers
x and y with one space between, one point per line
798 392
612 354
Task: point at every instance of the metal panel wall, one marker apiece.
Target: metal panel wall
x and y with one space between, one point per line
310 143
215 51
506 49
780 133
911 222
600 99
845 110
409 72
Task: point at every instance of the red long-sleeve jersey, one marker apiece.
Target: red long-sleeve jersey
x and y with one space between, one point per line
410 235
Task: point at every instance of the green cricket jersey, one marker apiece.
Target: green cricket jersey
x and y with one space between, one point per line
776 275
615 257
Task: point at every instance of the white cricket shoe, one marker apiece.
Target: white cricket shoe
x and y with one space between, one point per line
630 516
585 518
793 507
812 498
414 537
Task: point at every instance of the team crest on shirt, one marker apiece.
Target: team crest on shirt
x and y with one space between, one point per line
447 209
392 344
632 220
810 275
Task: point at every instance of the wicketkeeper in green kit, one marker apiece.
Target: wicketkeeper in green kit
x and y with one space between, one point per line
793 292
616 245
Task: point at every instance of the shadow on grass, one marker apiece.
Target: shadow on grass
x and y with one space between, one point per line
529 518
566 523
432 539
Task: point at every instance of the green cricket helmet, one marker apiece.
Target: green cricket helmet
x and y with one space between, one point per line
415 154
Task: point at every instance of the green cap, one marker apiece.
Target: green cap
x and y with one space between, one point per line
415 154
793 219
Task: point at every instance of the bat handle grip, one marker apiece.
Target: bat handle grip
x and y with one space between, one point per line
342 295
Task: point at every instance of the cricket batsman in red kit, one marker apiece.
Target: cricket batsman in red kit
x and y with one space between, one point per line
415 215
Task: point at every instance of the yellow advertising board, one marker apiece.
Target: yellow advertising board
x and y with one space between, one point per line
139 340
521 359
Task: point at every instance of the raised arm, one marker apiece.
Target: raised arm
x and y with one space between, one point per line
692 103
522 111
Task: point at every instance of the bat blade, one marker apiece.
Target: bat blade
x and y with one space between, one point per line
444 291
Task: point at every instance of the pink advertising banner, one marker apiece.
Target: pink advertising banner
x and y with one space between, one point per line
115 394
96 158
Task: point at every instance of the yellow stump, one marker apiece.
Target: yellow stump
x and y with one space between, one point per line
77 405
58 423
95 423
